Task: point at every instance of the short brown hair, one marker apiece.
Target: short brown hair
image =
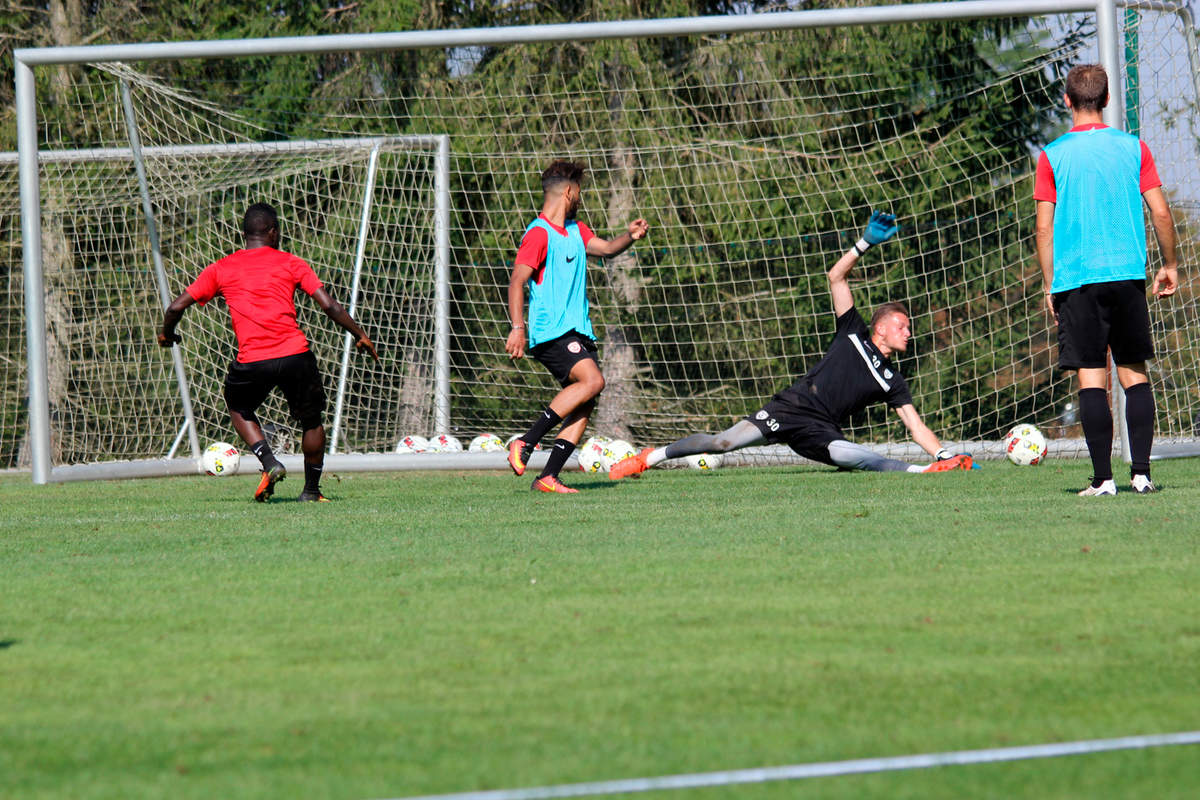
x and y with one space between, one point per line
561 172
884 310
1087 86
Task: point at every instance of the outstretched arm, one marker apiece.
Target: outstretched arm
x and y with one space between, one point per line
1166 281
920 432
333 309
604 248
167 336
880 228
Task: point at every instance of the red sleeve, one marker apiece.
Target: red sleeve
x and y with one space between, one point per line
1043 183
205 287
585 232
532 252
1149 177
305 277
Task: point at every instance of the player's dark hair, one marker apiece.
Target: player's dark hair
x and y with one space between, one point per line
1087 86
884 310
259 219
561 172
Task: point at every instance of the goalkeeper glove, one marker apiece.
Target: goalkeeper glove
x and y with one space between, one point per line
880 228
943 454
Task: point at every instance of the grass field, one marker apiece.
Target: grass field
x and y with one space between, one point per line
441 632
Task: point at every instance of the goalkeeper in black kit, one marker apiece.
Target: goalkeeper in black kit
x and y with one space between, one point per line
856 372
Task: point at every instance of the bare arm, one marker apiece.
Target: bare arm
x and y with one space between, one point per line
515 344
839 285
918 430
333 309
1166 281
1044 235
603 248
166 335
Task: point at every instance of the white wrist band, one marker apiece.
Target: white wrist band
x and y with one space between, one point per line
861 246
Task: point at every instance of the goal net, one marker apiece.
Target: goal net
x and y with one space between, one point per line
756 157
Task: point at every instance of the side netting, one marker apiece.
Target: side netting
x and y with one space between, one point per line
756 158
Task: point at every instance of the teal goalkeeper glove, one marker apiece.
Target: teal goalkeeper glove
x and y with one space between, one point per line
881 228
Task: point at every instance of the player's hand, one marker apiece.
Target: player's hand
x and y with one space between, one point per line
1050 307
638 229
881 227
515 345
944 454
1166 281
365 343
171 340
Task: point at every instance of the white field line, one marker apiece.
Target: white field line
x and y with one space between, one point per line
824 769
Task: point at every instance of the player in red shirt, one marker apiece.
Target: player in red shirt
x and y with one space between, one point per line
259 286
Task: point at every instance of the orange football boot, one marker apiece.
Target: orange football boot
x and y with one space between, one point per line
553 485
633 465
957 462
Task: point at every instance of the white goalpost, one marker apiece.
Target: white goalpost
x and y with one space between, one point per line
755 144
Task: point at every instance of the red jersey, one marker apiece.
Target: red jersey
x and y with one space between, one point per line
259 285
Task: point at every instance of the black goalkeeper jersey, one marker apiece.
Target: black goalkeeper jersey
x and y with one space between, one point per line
852 375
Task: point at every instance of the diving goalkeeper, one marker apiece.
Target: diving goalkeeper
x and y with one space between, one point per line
855 373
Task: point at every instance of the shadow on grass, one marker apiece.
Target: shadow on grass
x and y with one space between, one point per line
7 643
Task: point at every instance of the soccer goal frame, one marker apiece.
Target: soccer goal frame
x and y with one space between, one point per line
26 60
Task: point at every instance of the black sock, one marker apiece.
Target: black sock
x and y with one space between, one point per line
265 456
558 457
312 476
1139 417
544 423
1096 418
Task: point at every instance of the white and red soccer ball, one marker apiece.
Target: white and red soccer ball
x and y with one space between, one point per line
1025 445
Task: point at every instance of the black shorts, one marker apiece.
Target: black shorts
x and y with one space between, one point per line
808 435
1099 316
562 354
247 386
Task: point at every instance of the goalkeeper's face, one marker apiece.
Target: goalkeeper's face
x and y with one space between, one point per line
574 197
893 333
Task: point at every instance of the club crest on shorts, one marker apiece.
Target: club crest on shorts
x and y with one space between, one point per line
574 347
761 415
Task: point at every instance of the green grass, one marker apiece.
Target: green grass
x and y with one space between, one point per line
443 632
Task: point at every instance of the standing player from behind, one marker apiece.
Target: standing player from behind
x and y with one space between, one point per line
259 285
552 260
1091 245
855 372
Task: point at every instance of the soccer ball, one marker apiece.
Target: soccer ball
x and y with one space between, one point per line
1025 445
444 443
412 444
220 459
486 443
617 450
704 461
590 455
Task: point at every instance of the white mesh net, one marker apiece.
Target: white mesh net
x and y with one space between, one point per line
756 157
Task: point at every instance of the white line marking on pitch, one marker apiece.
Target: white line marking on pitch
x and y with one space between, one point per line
824 769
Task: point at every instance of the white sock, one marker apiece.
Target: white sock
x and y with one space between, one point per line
917 468
658 456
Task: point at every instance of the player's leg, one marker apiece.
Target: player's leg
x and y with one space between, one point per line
564 445
849 455
1132 345
571 359
742 434
246 387
1139 419
1083 330
305 393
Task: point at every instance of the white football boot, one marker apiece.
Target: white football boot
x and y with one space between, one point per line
1109 487
1142 484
